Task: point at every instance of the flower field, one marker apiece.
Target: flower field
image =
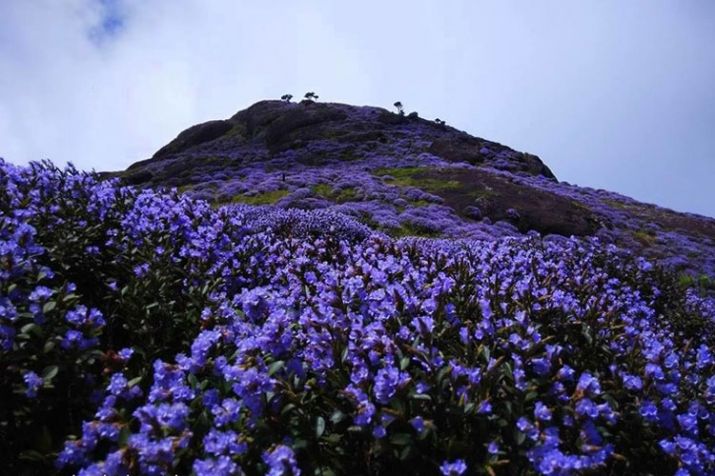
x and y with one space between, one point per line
147 332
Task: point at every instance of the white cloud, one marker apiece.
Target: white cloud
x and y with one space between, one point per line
609 95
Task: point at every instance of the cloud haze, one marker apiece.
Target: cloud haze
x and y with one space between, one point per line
610 94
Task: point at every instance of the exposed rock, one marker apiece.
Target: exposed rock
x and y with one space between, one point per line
193 136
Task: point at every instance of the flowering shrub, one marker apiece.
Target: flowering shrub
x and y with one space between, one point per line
147 333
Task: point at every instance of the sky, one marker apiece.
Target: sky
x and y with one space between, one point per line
610 94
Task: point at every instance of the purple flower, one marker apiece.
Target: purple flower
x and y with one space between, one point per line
379 432
588 384
542 412
453 468
141 270
281 461
418 423
32 383
221 466
223 442
76 340
40 294
493 448
632 382
704 357
387 382
649 411
126 353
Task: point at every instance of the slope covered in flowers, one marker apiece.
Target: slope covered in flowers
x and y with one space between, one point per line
146 332
408 176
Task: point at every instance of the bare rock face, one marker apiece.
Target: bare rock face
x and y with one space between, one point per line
194 136
405 175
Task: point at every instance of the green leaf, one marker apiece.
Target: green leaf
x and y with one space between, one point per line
134 381
319 427
324 471
275 367
124 435
405 453
31 455
300 444
401 439
337 417
31 328
404 363
443 372
49 306
49 372
44 440
333 438
421 396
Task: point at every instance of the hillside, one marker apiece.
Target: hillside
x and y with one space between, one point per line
409 176
300 319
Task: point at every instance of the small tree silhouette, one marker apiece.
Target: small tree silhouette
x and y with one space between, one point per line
311 96
400 108
440 121
287 97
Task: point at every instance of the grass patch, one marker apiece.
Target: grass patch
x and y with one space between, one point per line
238 131
408 229
644 238
417 177
266 198
326 191
616 204
701 283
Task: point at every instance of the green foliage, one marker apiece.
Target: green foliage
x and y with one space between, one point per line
265 198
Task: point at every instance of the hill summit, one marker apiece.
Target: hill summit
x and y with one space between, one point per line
409 176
